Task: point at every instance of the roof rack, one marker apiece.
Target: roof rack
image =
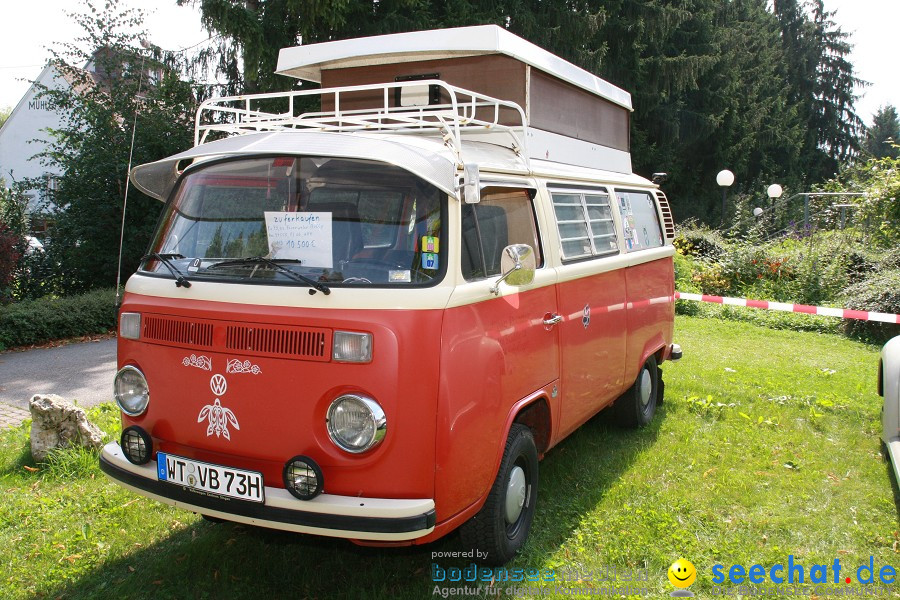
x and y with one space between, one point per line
464 111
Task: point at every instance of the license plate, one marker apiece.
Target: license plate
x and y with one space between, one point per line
214 480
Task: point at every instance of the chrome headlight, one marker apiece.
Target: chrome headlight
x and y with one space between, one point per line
355 423
131 391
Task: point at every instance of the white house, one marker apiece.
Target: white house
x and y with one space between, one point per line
24 135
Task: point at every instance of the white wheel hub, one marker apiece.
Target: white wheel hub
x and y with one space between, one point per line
646 386
516 491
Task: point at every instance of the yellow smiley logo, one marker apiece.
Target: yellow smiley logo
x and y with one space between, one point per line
682 573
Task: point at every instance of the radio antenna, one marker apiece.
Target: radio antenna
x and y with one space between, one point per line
146 45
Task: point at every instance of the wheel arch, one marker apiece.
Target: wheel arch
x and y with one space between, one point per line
537 416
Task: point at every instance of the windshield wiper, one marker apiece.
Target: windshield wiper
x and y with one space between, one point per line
275 264
165 259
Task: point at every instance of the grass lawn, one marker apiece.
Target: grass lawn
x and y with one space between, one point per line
767 446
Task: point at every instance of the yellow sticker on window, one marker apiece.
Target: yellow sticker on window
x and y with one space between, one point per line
430 244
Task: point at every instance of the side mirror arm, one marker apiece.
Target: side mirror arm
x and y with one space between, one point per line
495 289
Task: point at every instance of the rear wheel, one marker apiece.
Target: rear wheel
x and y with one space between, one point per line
501 527
636 407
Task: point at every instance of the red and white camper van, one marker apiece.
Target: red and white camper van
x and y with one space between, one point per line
370 308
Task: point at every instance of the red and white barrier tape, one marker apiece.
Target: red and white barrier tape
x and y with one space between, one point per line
844 313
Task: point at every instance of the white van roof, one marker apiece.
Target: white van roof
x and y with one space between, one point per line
307 62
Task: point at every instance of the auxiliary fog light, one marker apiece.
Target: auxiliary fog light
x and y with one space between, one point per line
137 445
355 423
131 391
303 477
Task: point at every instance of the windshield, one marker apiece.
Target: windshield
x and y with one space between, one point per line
336 221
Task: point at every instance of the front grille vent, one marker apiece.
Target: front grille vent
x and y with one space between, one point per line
177 331
291 342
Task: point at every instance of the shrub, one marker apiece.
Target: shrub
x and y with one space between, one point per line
684 282
9 257
700 242
878 293
36 321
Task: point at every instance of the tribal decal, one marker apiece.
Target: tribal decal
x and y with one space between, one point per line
236 366
219 418
201 362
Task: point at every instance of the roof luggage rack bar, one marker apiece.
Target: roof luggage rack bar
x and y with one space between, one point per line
466 111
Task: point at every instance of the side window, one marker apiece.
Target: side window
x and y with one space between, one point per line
504 216
640 221
585 224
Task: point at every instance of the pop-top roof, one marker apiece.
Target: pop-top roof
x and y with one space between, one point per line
307 62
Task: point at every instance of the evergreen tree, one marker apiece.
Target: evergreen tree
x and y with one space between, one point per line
883 136
763 89
820 81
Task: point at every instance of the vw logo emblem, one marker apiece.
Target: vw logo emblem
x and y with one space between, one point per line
218 385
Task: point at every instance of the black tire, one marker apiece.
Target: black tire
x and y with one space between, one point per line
635 408
490 530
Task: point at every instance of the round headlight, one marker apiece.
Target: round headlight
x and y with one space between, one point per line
137 446
355 423
131 391
303 477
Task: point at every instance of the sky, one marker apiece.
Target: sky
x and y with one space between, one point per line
28 28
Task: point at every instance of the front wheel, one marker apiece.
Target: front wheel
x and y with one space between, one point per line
501 527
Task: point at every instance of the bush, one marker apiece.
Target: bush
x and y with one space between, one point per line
36 321
685 269
878 293
700 242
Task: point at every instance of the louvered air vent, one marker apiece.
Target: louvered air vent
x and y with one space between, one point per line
668 221
177 331
291 342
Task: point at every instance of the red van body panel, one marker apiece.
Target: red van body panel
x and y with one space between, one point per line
650 312
281 409
593 345
494 353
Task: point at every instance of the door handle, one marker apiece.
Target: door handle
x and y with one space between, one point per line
551 320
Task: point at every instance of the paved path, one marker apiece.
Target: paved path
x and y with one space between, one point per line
82 372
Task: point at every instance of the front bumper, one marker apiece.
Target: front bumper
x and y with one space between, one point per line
352 517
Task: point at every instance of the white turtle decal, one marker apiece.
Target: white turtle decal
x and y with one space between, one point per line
219 417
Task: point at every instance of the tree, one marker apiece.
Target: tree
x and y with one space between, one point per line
765 90
883 136
13 229
131 89
820 81
4 114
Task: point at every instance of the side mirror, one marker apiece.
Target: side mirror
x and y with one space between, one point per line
471 184
517 264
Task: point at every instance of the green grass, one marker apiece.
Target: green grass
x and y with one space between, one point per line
767 445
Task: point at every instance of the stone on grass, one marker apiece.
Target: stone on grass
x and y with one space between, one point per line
57 423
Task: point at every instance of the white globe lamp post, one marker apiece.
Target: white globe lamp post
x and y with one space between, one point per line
725 179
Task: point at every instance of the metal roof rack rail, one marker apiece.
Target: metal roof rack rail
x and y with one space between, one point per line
462 111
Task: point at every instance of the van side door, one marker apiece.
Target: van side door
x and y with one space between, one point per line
591 298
